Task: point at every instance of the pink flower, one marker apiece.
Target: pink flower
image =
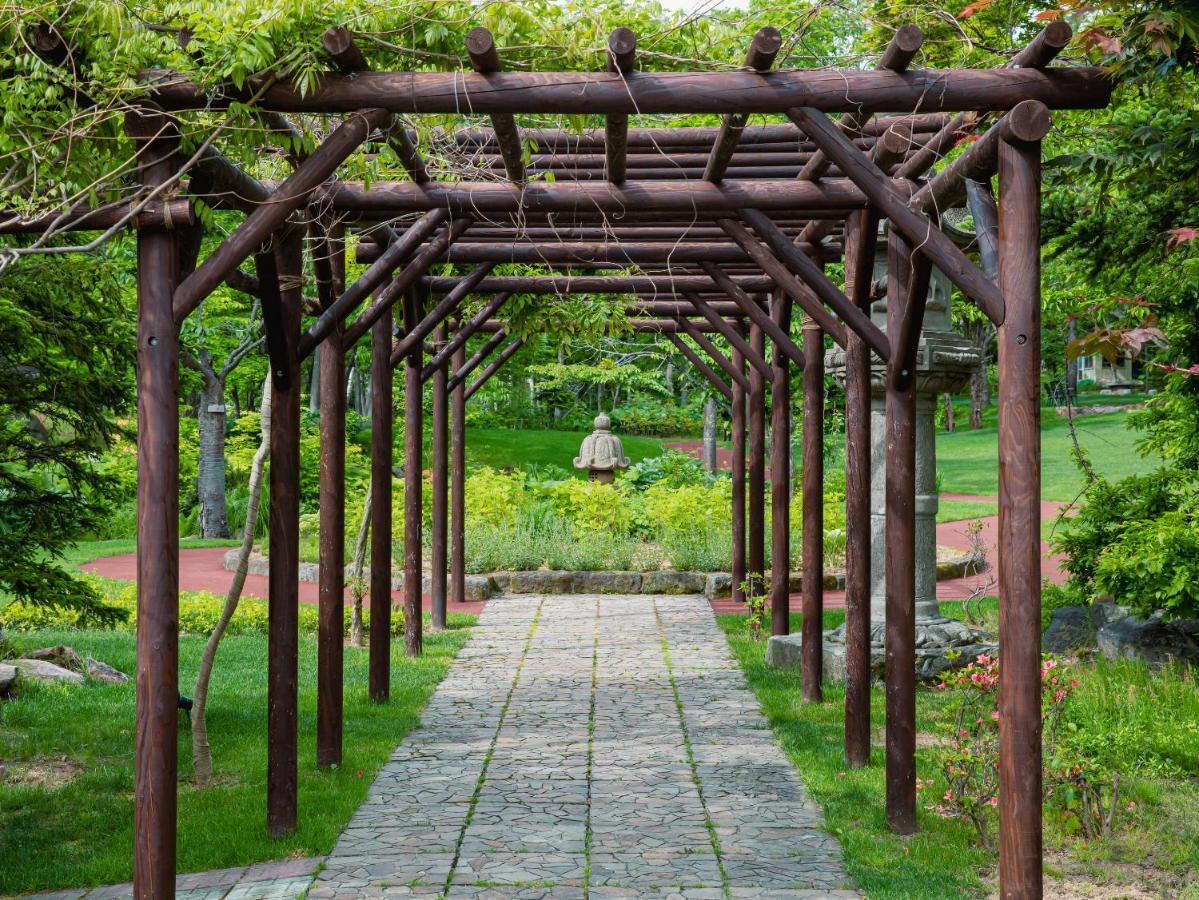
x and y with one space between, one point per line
994 801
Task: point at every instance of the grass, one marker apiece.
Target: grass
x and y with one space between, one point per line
950 510
1155 843
86 551
967 461
81 833
502 447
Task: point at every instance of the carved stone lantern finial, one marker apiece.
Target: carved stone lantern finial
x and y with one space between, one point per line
601 453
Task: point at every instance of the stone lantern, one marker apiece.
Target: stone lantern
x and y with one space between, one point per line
601 454
945 361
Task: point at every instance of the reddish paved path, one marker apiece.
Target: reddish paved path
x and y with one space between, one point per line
203 569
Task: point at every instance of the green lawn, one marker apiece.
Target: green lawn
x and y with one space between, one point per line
1155 843
949 510
967 461
501 447
86 551
82 833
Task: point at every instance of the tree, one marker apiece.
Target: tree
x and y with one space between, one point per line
66 363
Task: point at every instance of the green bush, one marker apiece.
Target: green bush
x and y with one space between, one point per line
493 498
592 506
540 537
656 419
199 612
672 468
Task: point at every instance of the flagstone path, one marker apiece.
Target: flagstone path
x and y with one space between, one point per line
589 746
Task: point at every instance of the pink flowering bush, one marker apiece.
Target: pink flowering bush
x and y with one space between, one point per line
1076 790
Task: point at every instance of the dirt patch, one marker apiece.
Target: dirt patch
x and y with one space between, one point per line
48 772
924 739
1067 878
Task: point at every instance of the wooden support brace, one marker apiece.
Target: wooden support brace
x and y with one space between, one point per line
762 50
755 313
731 334
622 56
494 366
452 346
463 371
713 352
702 367
411 342
485 59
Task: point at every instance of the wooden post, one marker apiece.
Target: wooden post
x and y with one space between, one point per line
756 466
440 473
458 483
813 513
331 626
900 564
780 476
413 482
156 760
381 438
1019 520
860 238
738 435
284 573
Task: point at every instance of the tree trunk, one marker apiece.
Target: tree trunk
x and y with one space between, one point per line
670 378
210 478
314 382
236 403
979 394
201 752
1071 363
710 433
949 422
358 585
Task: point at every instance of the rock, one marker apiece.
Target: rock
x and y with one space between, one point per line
542 581
607 582
1074 628
501 580
397 583
670 582
310 572
102 671
1152 640
8 678
41 670
256 565
718 585
478 587
66 657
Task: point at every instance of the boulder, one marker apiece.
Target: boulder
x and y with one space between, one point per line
607 582
670 582
41 670
718 585
501 580
102 671
67 657
542 581
1152 640
8 678
1074 628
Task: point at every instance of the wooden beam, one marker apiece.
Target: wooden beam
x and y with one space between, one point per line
562 93
414 482
763 49
622 56
702 367
600 284
731 333
462 372
780 475
292 194
415 334
439 485
705 344
755 463
379 684
916 228
452 346
457 479
485 60
758 316
614 250
166 215
737 499
812 500
494 366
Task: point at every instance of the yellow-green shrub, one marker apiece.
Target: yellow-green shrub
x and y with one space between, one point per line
493 498
689 507
592 506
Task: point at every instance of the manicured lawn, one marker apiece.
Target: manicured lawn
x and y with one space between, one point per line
1116 710
950 510
86 551
967 460
81 833
501 447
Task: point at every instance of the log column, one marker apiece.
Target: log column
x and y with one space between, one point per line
413 482
284 565
381 441
458 483
900 639
738 435
780 476
1019 520
860 234
813 513
756 467
156 761
331 611
440 472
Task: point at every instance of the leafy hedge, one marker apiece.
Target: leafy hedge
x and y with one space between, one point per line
198 613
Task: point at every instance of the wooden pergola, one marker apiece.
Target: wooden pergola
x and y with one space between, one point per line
708 231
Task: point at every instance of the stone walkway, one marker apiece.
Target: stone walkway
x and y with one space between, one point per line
589 746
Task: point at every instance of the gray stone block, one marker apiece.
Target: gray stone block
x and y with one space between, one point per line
8 678
718 585
1151 640
42 670
542 581
669 582
607 582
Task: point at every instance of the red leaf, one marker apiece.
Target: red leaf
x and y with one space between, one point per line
1181 235
976 6
1048 15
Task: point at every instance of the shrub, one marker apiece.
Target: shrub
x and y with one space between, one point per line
541 537
493 498
672 468
656 419
592 506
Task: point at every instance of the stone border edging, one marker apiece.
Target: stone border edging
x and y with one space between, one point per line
713 585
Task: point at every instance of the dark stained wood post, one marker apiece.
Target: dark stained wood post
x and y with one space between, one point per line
156 761
381 452
440 449
813 513
331 594
1019 520
458 483
756 466
900 564
413 482
860 238
780 476
283 589
738 435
